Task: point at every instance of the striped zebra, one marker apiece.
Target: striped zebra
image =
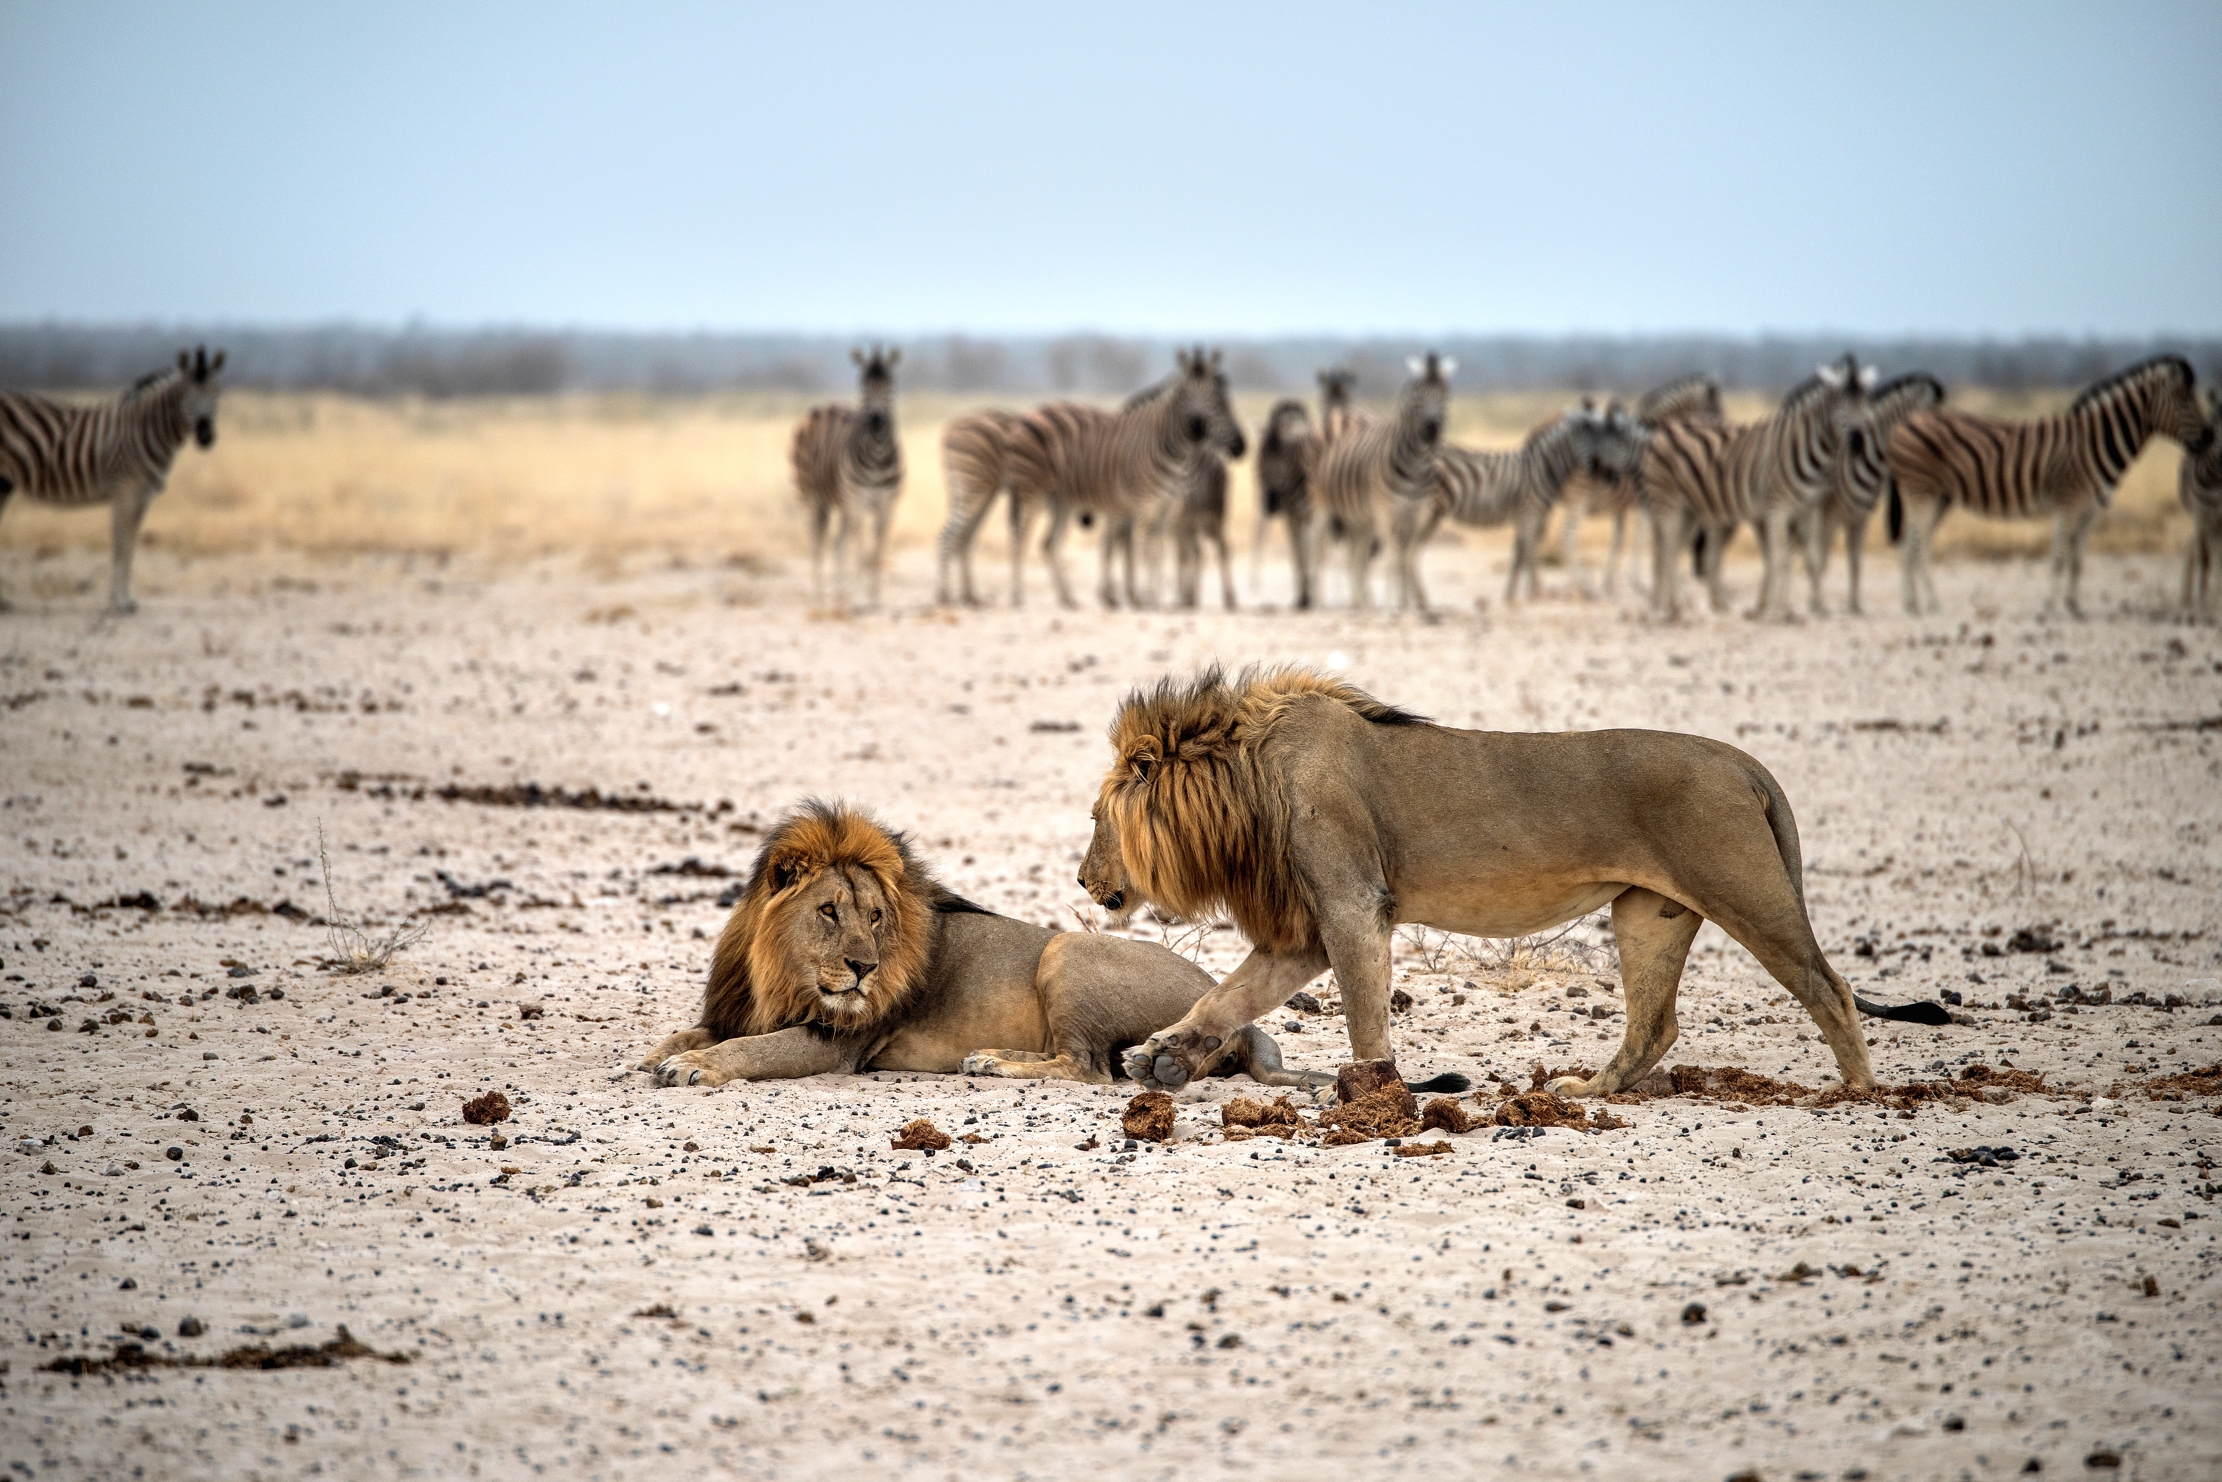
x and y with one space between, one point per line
1705 478
975 464
1607 488
119 452
1129 467
1387 466
1200 518
2199 486
2065 466
848 466
1863 479
1336 409
1515 486
1288 449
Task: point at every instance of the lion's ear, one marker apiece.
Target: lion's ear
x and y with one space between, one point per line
1142 760
789 869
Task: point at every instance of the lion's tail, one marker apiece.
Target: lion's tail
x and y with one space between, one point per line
1785 829
1450 1083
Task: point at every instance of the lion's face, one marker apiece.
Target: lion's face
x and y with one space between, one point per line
1103 872
831 929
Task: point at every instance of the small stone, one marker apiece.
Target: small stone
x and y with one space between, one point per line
1693 1314
297 1320
128 1284
1997 1095
1304 1003
191 1327
174 1154
88 981
531 1010
1399 1001
2102 1460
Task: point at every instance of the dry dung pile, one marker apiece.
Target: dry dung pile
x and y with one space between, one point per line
920 1136
481 1111
2207 1082
1423 1149
253 1356
1444 1114
1149 1117
1390 1111
1247 1117
1544 1109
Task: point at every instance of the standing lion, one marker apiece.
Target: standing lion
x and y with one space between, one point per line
845 954
1319 818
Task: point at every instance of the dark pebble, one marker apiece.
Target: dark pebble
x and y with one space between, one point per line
192 1327
1694 1313
175 1155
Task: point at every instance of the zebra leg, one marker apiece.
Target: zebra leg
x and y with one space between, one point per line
1612 555
7 488
1774 560
1716 563
1359 554
1106 590
1303 537
125 511
819 518
1855 542
881 515
1022 519
1570 552
1187 565
1053 554
1226 570
2078 531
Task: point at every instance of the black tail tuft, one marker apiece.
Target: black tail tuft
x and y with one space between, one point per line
1904 1013
1450 1083
1895 518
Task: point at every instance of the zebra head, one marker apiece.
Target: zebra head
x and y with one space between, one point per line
2160 395
1287 424
1425 403
1849 381
876 385
197 369
1617 443
1200 409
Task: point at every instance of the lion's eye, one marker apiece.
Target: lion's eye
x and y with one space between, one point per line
828 911
875 917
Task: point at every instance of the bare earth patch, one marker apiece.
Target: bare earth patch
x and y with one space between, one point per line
561 772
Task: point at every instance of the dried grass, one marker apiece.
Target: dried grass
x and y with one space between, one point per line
354 949
610 476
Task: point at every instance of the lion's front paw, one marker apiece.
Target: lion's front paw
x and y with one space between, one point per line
1569 1085
981 1062
690 1069
1169 1060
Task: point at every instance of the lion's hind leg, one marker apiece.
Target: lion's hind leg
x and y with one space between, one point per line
1253 1052
1654 936
678 1044
1030 1065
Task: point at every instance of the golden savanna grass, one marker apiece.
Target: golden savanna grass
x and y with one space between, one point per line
705 477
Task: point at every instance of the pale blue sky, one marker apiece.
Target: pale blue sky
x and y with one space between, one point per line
1138 168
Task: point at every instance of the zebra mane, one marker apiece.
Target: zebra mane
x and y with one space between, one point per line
1684 396
1149 393
1807 390
2099 390
1884 398
148 382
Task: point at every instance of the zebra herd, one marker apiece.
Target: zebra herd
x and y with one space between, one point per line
1153 474
1840 445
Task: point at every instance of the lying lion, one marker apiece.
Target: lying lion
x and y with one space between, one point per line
1319 818
845 954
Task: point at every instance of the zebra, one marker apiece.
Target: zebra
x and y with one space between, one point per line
1386 462
2065 465
2199 486
975 463
1863 477
1603 490
1336 411
1200 516
1288 449
120 451
1518 486
848 465
1609 486
1704 477
1128 466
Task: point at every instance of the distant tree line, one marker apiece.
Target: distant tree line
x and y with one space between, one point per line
418 361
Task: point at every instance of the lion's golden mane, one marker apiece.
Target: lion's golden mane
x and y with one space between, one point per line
1202 816
755 986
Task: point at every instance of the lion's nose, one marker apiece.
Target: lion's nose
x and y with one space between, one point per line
860 969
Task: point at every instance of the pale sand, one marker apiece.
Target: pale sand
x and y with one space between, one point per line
1372 1316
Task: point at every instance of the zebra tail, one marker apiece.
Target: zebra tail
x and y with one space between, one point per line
1895 519
1450 1083
1904 1013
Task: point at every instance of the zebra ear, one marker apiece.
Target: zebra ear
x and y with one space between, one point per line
856 357
1414 366
1829 375
1868 376
184 361
1216 357
1450 364
216 362
894 354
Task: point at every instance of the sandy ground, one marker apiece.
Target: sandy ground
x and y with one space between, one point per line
1712 1291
